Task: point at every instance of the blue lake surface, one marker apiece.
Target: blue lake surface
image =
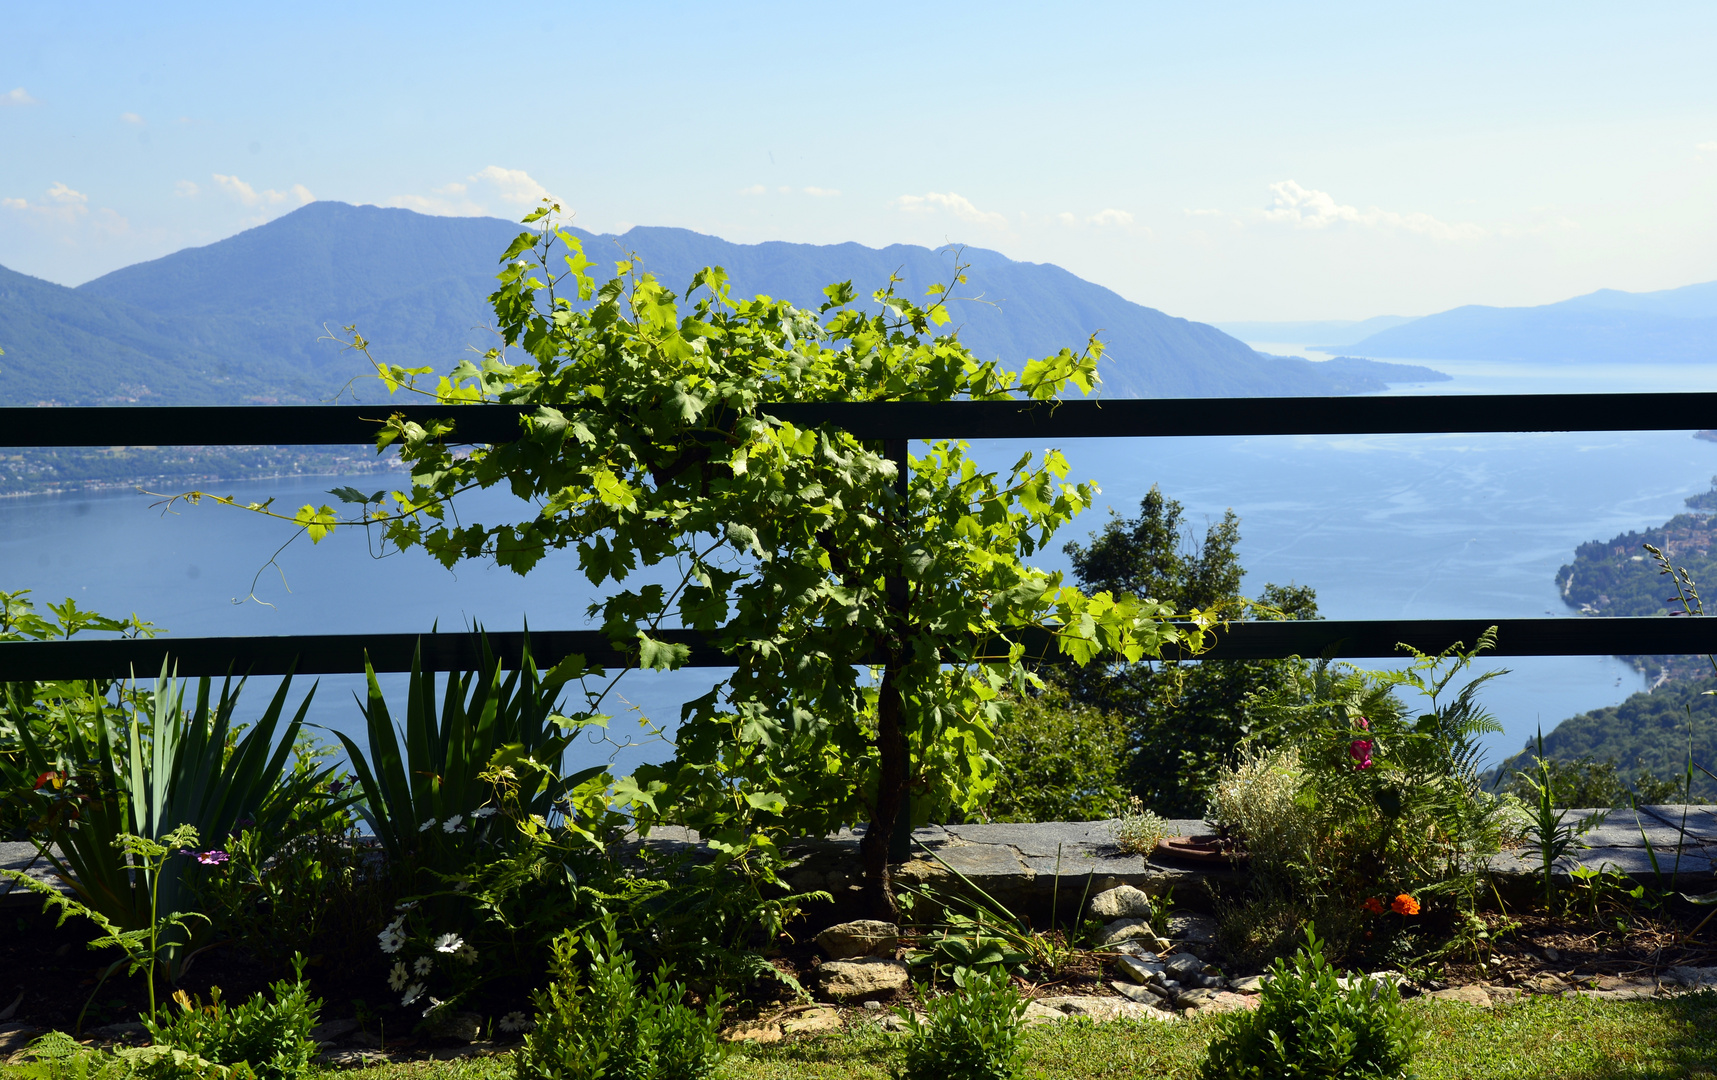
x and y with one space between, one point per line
1409 526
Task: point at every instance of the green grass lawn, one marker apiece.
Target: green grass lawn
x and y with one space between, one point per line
1539 1037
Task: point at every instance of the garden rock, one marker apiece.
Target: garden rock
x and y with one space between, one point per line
1122 930
1197 930
864 977
1121 902
1035 1013
862 937
365 1040
16 1036
351 1059
1103 1008
1249 984
1147 994
765 1032
1215 1001
812 1021
1139 970
332 1031
1467 995
1183 966
1692 976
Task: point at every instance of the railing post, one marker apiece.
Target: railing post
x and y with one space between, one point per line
900 843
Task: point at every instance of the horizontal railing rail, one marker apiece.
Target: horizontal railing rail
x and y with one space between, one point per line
323 654
300 425
1085 418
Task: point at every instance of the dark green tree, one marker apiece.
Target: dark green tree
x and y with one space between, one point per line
1183 720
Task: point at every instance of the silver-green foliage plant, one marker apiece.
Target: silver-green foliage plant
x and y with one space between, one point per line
1308 1026
606 1025
972 1033
270 1037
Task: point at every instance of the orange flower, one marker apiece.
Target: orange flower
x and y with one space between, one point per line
1373 905
1405 905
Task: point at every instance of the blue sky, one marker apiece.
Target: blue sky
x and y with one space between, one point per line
1232 161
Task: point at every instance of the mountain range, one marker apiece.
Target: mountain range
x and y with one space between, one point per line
252 318
1604 327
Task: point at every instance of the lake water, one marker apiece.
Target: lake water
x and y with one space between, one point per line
1409 526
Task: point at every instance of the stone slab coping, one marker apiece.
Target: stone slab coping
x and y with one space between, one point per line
23 856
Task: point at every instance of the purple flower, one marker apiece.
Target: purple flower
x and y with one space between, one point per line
336 786
213 857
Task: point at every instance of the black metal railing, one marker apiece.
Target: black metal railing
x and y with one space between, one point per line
892 421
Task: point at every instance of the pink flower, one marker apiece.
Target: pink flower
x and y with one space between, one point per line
212 858
1360 751
1365 725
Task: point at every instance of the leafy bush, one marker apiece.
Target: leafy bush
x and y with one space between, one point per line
610 1027
1182 720
1060 760
1586 782
1307 1026
271 1037
1257 800
970 1034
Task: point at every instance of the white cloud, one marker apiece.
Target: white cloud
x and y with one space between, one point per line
958 205
1110 217
470 199
822 193
1706 147
1307 208
754 189
186 190
70 208
513 185
249 196
131 118
17 97
66 196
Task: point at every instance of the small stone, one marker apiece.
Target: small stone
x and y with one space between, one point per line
862 937
351 1059
893 1022
873 1006
1101 1009
1133 992
1135 947
1218 1001
1551 954
1121 902
1182 966
1038 1013
1249 984
1133 930
812 1021
1140 971
753 1032
1192 929
1466 995
863 977
333 1030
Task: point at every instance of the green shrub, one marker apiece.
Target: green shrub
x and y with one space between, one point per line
1307 1026
271 1037
1060 760
612 1029
971 1034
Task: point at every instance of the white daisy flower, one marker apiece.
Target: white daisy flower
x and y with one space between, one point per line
423 966
426 826
465 953
487 811
413 993
392 941
449 943
405 905
451 825
397 977
394 927
514 1021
